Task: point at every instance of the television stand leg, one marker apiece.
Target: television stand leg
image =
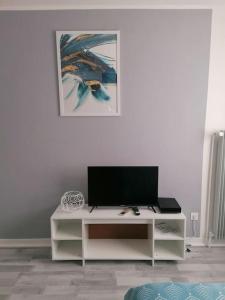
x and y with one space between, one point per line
153 209
93 207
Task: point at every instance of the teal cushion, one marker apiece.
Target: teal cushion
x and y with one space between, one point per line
177 291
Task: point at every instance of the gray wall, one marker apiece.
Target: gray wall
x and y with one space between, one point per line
164 70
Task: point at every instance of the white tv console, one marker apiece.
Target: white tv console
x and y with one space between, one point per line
71 235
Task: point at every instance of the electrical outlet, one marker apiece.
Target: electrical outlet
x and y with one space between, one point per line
194 216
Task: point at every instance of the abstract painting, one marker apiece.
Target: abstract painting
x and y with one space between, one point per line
88 73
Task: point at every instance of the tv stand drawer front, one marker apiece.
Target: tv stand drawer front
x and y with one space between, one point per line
117 221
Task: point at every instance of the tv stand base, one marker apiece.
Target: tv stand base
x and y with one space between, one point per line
93 207
106 235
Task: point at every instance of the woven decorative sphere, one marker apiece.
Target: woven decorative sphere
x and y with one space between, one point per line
72 200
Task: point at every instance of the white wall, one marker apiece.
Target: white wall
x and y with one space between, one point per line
215 114
215 117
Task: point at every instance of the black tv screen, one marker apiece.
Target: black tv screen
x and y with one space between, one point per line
122 186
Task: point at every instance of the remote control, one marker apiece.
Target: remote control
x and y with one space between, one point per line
136 211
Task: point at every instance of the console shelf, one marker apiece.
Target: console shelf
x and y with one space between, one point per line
105 235
67 230
67 250
169 229
118 249
167 250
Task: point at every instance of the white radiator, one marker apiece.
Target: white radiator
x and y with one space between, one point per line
218 191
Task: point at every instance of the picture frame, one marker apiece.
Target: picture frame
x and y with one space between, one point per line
89 73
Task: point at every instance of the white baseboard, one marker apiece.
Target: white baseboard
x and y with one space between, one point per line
32 243
217 243
24 243
195 241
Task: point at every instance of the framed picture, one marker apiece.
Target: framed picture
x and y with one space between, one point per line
88 73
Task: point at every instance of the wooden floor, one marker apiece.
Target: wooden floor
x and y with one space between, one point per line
30 274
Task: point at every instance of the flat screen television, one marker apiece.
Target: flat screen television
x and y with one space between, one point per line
122 185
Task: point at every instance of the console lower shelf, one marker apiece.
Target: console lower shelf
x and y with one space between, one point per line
67 250
149 237
125 249
167 250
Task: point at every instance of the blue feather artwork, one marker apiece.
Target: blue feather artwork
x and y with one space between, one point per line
88 71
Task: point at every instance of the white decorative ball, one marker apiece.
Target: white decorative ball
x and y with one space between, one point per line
72 200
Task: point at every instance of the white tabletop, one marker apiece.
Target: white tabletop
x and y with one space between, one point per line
112 213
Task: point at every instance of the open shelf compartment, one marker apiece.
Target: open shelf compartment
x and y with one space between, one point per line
116 242
67 229
169 250
169 229
139 249
67 250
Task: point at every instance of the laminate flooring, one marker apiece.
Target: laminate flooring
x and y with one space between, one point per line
30 274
